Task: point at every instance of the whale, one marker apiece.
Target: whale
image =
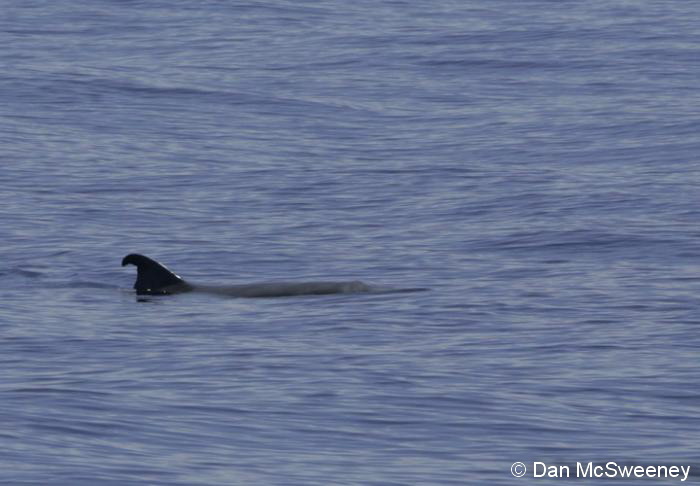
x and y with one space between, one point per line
154 278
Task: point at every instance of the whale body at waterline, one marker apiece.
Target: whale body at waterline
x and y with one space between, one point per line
153 278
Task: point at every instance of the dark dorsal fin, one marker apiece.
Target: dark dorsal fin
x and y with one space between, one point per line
152 277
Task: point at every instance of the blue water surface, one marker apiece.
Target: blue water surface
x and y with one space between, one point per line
533 163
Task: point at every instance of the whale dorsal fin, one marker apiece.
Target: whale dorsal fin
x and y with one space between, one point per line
152 277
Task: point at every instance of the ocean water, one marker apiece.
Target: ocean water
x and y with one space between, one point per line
533 163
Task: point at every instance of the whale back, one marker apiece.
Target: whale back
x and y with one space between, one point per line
153 277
